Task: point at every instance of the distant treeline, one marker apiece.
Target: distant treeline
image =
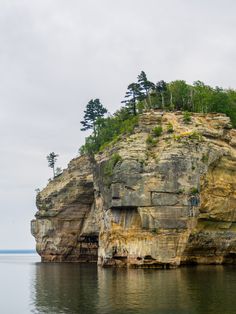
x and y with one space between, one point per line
143 95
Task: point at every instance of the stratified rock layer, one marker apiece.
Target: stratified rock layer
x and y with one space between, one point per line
65 228
158 203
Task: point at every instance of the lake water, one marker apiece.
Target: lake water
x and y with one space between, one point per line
28 286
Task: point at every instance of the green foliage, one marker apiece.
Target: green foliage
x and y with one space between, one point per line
115 159
170 128
146 87
205 158
157 131
188 136
194 191
111 163
132 95
180 94
142 162
177 137
151 141
187 117
52 158
161 89
142 95
109 131
231 108
94 111
144 83
202 97
195 136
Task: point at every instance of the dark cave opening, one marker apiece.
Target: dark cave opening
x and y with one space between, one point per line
87 248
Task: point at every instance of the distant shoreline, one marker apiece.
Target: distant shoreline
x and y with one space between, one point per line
17 252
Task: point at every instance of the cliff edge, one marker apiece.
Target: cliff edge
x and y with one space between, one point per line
160 197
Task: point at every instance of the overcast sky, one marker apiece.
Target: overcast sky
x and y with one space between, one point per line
55 55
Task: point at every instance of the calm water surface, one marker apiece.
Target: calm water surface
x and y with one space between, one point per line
28 286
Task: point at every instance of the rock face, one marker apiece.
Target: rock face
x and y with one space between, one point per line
65 228
148 200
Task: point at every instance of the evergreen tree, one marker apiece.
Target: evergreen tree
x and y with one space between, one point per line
132 95
52 158
161 89
94 110
174 95
145 85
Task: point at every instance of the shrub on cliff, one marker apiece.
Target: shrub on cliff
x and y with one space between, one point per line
108 131
157 131
150 141
111 163
187 117
170 128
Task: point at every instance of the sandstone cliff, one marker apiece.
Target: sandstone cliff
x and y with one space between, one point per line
149 200
65 228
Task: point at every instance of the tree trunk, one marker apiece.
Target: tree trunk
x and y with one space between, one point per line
162 101
134 108
134 105
183 103
191 100
94 129
146 104
149 98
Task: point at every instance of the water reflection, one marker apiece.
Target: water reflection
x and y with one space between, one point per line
80 288
63 288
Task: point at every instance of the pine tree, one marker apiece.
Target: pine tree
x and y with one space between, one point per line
94 110
161 89
52 158
132 95
145 85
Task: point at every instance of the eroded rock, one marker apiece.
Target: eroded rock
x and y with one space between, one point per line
162 205
66 228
